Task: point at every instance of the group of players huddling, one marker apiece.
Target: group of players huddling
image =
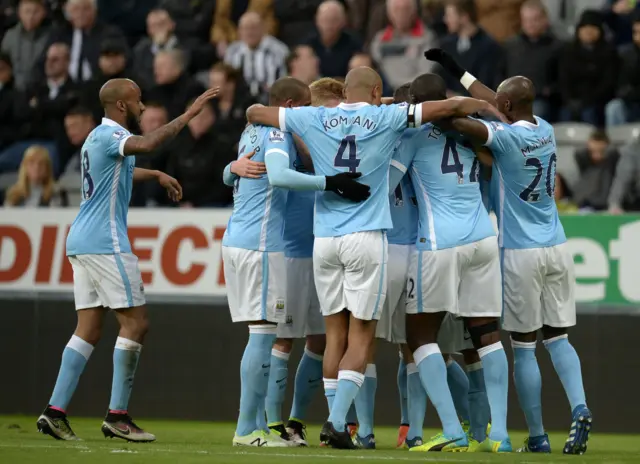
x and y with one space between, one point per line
355 217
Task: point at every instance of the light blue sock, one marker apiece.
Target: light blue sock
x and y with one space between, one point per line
277 386
261 416
74 358
403 391
567 365
125 362
433 374
526 375
352 414
459 386
366 400
496 380
416 402
330 387
254 376
349 383
308 380
478 402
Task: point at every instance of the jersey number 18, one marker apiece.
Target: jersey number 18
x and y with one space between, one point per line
87 181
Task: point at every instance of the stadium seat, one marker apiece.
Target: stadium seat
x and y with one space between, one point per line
566 164
621 135
572 133
71 182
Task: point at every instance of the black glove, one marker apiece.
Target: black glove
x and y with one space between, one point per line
446 61
344 185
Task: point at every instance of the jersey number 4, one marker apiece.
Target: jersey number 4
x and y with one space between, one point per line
530 194
451 151
87 181
351 161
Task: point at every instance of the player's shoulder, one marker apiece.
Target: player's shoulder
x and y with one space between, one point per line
108 130
275 135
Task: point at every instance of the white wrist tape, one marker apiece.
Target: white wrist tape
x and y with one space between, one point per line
467 79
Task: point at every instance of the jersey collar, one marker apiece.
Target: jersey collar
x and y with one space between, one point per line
352 106
528 124
110 122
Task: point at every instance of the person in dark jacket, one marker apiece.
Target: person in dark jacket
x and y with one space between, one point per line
626 106
534 53
10 98
588 70
198 164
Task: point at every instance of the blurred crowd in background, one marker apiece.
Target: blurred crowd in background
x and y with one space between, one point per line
582 55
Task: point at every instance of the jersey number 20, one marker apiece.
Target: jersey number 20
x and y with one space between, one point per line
529 194
351 161
87 181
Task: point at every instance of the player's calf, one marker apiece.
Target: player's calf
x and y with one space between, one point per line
278 375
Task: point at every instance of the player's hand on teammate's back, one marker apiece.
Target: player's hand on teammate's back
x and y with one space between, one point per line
202 100
244 167
172 186
345 185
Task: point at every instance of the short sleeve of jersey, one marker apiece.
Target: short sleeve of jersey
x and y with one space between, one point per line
277 141
397 116
404 152
501 137
297 120
113 139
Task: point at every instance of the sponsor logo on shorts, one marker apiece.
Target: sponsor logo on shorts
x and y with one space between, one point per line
288 320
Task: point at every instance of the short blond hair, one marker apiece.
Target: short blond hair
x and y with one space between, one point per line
326 90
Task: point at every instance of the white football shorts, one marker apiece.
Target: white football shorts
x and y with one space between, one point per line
392 324
350 273
539 288
111 281
302 315
464 280
256 284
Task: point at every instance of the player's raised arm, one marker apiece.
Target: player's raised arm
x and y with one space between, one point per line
476 88
294 120
456 107
147 143
264 115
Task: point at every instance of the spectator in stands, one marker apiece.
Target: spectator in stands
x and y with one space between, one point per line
597 164
25 42
432 13
111 65
36 185
10 99
204 152
625 191
261 57
534 53
173 86
51 99
78 125
232 102
229 12
160 37
333 45
563 196
626 107
193 19
303 64
619 18
363 59
471 46
367 17
399 47
295 18
588 70
84 34
499 18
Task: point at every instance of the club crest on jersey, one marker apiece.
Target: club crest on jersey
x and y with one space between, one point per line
119 134
276 136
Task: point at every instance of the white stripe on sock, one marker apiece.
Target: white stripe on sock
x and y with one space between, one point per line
312 355
266 329
412 368
280 354
371 371
523 345
81 346
128 345
485 350
352 376
330 384
474 367
555 339
425 351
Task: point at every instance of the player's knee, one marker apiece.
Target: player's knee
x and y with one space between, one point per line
90 335
316 344
283 345
553 332
524 337
484 333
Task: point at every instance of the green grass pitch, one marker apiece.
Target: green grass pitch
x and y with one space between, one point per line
202 442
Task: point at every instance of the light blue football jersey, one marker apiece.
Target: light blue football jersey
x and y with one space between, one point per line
257 220
445 173
107 176
523 184
404 206
350 138
298 222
